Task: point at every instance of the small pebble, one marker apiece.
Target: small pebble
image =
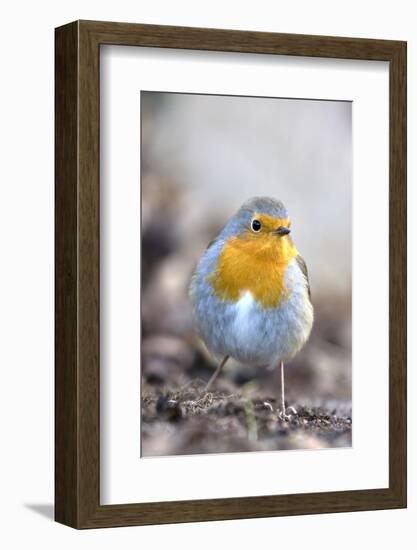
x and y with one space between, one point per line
168 408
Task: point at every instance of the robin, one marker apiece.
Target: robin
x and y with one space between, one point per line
250 292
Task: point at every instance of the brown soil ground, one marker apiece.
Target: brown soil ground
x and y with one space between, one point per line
233 418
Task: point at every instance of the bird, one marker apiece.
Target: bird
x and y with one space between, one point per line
250 293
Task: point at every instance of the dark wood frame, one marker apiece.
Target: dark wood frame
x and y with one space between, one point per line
77 406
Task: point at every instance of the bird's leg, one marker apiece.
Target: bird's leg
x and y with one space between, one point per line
283 413
216 372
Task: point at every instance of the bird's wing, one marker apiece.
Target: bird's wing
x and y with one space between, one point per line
210 244
303 266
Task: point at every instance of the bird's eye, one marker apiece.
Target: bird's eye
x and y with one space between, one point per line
256 225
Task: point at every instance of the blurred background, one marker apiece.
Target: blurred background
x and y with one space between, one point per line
202 156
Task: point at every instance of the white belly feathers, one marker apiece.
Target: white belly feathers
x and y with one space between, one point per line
243 323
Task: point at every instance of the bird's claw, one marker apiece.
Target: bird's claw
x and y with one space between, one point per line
287 417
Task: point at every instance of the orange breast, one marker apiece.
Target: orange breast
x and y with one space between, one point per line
256 265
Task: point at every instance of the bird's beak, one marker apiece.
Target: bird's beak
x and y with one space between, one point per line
281 231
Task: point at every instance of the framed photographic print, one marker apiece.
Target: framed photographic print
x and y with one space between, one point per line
230 274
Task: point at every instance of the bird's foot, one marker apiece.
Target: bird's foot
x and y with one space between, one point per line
287 417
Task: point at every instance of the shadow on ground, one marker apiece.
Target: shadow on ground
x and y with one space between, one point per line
45 510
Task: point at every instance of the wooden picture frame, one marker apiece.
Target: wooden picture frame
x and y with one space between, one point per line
77 373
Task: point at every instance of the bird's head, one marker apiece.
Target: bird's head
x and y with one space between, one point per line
263 224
